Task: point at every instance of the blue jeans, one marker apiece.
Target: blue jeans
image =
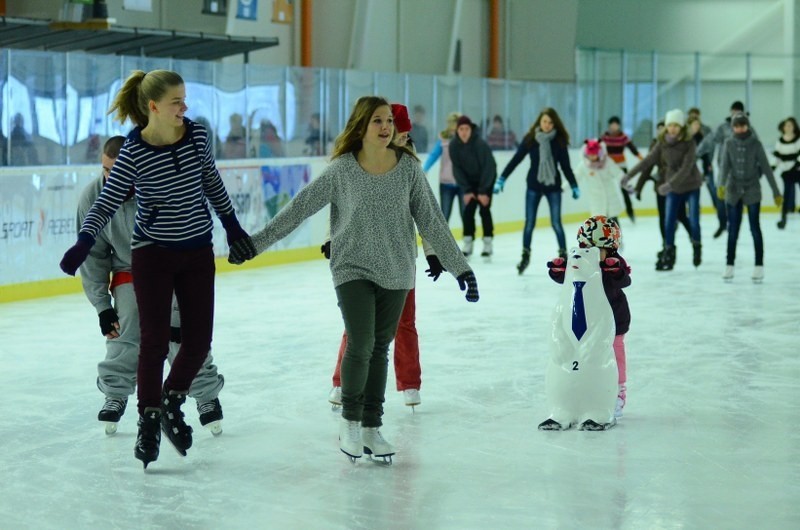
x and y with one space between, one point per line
532 199
719 205
676 201
735 221
447 194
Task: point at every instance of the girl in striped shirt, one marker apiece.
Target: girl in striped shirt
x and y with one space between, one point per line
166 160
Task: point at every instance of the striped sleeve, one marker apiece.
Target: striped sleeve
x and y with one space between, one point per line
112 196
212 181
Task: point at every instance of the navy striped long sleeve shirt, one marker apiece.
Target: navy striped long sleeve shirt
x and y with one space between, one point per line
173 186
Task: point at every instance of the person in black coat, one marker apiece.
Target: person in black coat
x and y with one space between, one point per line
546 144
475 170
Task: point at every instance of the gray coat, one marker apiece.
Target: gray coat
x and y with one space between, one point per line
676 165
743 163
111 251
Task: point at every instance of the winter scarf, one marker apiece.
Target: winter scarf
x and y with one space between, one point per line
547 166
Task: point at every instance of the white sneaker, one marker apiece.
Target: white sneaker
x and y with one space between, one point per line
375 444
758 274
350 438
412 397
335 397
728 274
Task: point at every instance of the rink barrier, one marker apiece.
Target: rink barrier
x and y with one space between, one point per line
37 213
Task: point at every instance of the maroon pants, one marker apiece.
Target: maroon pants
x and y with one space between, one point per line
406 350
157 273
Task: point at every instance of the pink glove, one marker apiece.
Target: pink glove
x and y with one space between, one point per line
557 265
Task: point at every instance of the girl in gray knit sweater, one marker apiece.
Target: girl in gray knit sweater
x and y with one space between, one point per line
377 192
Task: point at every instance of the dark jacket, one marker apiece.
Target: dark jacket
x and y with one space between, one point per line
613 283
531 149
474 167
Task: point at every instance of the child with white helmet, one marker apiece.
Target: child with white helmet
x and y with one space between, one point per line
604 233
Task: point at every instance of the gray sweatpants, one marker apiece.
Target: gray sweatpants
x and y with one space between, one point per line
116 374
371 314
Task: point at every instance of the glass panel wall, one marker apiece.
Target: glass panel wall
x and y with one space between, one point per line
54 105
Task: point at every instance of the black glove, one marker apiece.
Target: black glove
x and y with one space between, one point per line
326 249
435 265
76 254
242 250
107 320
233 230
468 282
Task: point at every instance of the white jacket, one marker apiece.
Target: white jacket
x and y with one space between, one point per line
602 187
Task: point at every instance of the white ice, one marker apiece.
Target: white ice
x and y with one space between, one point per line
710 437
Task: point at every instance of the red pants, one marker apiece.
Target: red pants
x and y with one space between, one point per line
406 350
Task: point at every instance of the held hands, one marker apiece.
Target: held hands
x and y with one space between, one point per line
721 193
484 200
242 250
499 185
233 230
664 188
76 254
109 323
468 282
576 193
326 249
436 268
778 201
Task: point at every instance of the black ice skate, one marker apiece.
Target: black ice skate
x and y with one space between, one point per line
178 433
112 412
211 415
149 437
591 425
525 261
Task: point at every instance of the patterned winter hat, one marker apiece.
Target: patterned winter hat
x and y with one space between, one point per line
599 231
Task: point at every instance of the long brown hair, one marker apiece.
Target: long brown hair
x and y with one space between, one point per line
561 132
140 88
350 139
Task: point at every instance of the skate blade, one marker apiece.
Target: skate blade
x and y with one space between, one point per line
111 427
350 457
385 460
336 407
215 427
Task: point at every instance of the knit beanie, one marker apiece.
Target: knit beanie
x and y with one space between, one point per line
401 121
675 116
739 119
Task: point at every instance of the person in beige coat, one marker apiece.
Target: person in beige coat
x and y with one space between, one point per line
674 153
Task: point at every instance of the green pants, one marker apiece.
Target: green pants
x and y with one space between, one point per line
371 314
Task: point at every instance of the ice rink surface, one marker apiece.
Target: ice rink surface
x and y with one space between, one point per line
709 438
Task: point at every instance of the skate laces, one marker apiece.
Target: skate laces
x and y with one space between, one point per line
114 405
354 431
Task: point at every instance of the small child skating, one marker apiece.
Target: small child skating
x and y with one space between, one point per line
604 233
743 163
600 177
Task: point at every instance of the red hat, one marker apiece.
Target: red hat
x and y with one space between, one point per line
592 147
401 121
464 120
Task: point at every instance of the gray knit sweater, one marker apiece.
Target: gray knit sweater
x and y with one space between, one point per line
372 222
743 163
